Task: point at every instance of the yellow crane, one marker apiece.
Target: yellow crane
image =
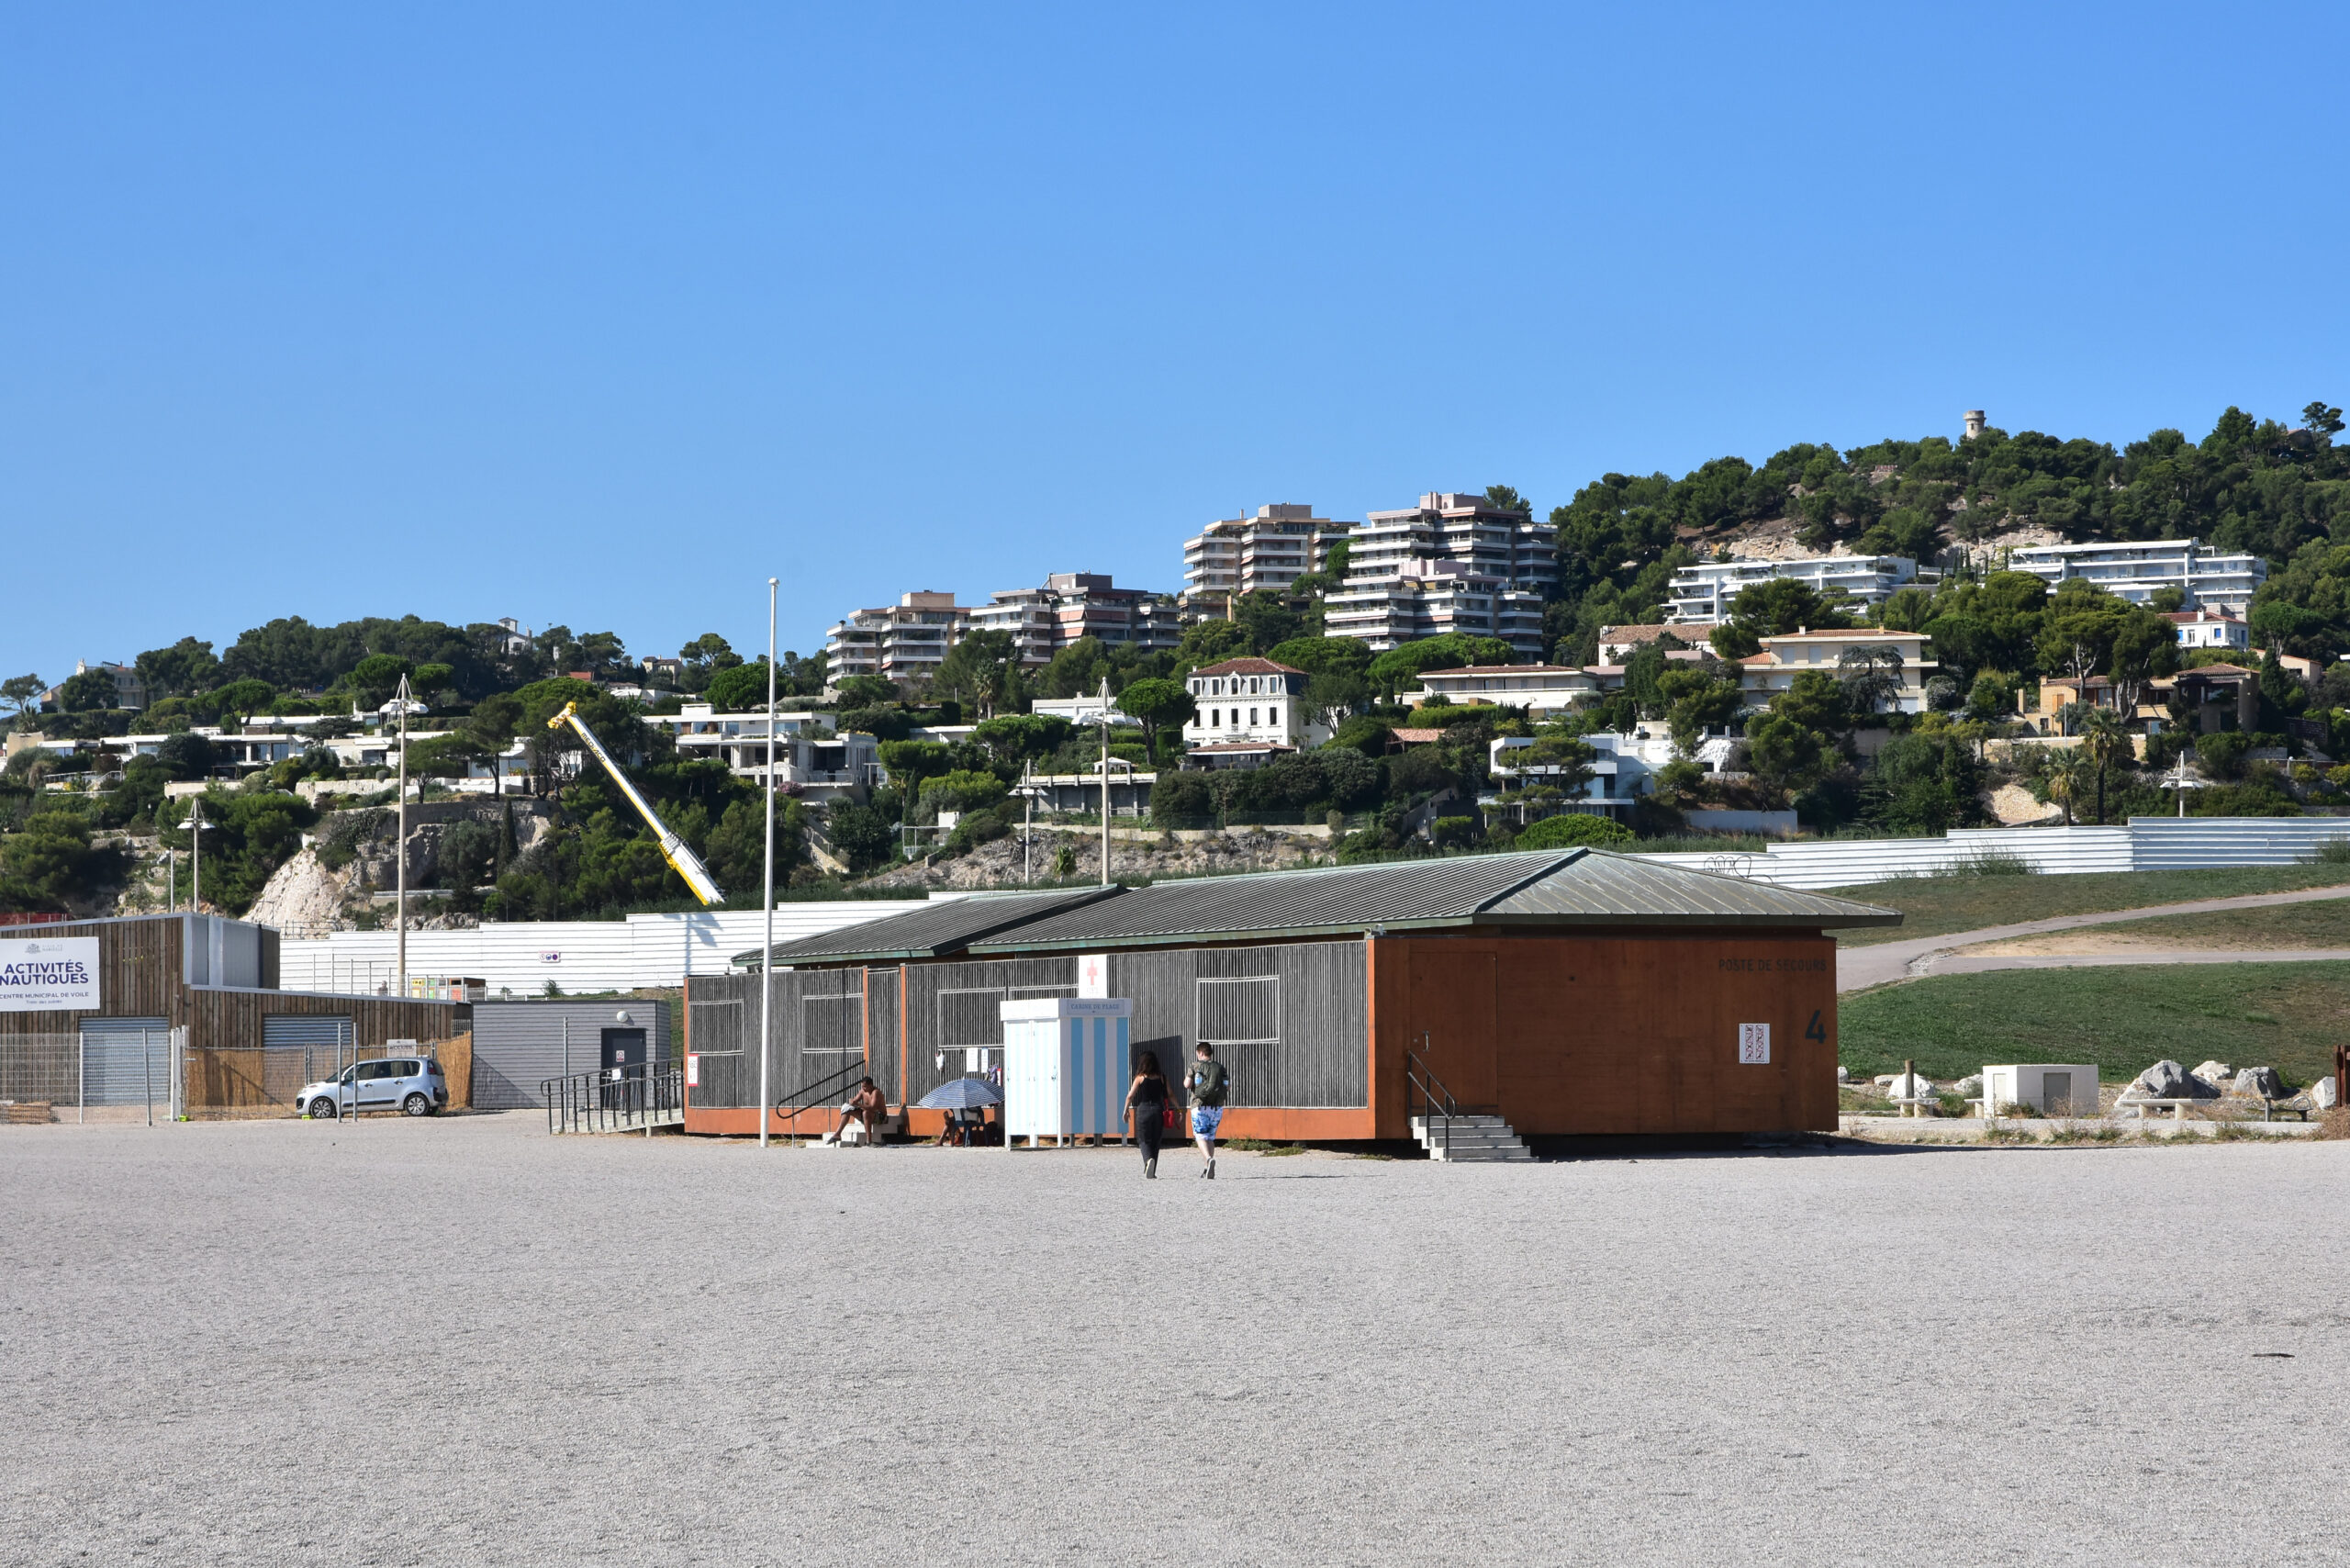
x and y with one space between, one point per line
673 849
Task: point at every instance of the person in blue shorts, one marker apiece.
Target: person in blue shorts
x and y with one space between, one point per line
1209 1084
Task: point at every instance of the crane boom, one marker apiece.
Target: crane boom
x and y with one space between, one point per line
673 849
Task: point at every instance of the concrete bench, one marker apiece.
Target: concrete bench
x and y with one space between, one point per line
2178 1107
1914 1105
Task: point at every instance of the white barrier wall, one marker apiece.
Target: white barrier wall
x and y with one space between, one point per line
2148 844
576 955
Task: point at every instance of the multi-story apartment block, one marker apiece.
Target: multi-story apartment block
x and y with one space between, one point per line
1774 669
1271 550
1702 594
903 642
2134 571
1044 620
1454 563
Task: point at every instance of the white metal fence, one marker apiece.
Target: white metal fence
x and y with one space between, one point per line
644 950
2148 844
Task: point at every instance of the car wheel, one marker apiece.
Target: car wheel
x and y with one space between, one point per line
323 1109
417 1105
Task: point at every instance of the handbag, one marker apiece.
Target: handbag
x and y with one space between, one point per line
1167 1117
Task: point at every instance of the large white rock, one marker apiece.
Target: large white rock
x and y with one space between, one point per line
2259 1082
1843 1073
2322 1092
1902 1086
2218 1074
1971 1085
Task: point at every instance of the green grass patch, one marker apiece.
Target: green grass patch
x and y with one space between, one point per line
2123 1018
1935 906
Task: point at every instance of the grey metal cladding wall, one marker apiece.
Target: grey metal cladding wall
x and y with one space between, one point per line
719 1023
881 1029
732 1081
1322 1057
518 1046
968 1009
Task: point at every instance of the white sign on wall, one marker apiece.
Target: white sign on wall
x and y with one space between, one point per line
49 974
1093 974
1754 1045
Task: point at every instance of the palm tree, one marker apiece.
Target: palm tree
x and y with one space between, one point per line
2068 776
2107 741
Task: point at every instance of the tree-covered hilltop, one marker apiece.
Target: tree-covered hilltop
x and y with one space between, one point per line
2252 486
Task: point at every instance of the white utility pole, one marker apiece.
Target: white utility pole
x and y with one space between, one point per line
1105 781
767 949
400 853
196 855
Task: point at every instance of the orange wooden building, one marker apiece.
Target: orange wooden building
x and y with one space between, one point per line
1571 992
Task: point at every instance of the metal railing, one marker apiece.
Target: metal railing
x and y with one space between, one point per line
808 1097
612 1100
1435 1101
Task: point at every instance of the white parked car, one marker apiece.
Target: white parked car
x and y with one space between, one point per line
415 1085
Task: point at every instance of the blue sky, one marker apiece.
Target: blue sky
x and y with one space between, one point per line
604 315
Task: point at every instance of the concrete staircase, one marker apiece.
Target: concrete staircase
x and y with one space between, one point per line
1472 1137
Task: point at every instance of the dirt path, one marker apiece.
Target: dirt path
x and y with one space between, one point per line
1978 963
1857 969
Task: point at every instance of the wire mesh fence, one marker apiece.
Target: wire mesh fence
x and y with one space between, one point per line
240 1083
94 1075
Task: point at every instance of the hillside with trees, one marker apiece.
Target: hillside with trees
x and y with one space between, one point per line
2249 484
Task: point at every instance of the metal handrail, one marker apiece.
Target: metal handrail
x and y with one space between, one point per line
808 1097
1436 1100
600 1103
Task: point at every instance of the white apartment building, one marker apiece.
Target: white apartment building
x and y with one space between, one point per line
1070 604
1701 594
1774 669
1454 563
1251 703
1622 772
903 642
2134 571
2210 627
1271 550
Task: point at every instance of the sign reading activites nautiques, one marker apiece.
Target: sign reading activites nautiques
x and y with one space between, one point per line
49 974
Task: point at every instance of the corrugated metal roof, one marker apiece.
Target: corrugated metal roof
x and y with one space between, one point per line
1605 889
946 926
1401 895
1576 886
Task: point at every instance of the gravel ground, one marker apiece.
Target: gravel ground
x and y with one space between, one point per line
465 1342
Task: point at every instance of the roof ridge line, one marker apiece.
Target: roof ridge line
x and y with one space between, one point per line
1565 859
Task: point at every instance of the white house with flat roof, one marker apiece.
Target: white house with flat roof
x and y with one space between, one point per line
2134 571
1701 594
1544 689
810 761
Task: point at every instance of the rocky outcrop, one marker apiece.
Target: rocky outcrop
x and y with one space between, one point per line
302 893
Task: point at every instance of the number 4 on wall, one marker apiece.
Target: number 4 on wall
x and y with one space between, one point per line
1816 1029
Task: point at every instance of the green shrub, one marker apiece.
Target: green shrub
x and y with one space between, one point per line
1453 832
1572 828
2332 852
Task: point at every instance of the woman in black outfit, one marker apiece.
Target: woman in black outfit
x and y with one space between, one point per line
1147 1110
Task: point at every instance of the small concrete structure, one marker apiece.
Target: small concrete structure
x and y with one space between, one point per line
2054 1088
